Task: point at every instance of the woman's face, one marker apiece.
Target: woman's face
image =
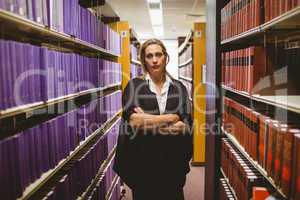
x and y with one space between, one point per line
155 60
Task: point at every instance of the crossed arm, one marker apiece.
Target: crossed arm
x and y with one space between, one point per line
166 124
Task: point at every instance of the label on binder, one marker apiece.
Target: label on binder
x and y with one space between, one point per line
203 74
29 114
198 34
123 34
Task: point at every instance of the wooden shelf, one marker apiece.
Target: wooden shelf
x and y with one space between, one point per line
288 102
185 44
30 107
250 33
99 176
186 63
227 181
19 28
133 37
41 186
288 20
254 163
113 186
136 62
291 103
101 172
186 79
40 111
245 94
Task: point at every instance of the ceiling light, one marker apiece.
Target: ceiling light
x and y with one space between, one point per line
158 30
156 17
153 1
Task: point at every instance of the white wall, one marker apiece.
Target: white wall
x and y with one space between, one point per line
172 50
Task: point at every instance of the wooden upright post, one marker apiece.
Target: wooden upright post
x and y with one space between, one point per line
122 28
199 99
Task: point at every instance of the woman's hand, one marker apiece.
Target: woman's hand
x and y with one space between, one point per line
140 119
138 110
173 129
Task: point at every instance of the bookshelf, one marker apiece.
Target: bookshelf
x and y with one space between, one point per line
288 20
259 86
91 3
287 102
189 61
115 182
185 63
42 186
254 163
191 70
135 65
227 182
33 114
122 27
63 142
186 79
101 172
135 62
27 30
277 30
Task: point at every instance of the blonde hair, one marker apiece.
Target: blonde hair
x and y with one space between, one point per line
143 48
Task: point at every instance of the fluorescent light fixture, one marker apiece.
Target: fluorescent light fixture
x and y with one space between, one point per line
158 30
153 1
156 17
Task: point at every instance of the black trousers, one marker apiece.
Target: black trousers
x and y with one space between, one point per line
154 193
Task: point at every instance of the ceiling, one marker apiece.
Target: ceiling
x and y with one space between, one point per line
178 16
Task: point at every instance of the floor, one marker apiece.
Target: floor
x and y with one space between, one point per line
193 189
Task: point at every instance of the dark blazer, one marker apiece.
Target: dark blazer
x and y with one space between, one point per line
147 158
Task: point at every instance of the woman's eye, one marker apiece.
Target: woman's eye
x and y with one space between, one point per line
157 55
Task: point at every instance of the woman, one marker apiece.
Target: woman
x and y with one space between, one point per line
155 141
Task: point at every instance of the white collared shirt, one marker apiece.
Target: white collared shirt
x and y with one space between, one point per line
163 96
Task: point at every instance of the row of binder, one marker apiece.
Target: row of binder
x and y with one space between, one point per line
99 193
239 16
135 71
243 69
27 155
186 54
134 52
33 74
76 181
243 123
270 142
69 17
277 8
189 86
186 71
225 192
31 9
241 174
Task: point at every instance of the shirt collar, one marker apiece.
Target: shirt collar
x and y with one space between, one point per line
168 78
165 87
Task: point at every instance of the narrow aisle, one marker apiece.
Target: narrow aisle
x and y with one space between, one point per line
194 187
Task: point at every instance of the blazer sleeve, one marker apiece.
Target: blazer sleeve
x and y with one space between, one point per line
185 114
128 100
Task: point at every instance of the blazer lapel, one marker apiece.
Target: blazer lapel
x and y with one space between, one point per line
149 101
172 99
